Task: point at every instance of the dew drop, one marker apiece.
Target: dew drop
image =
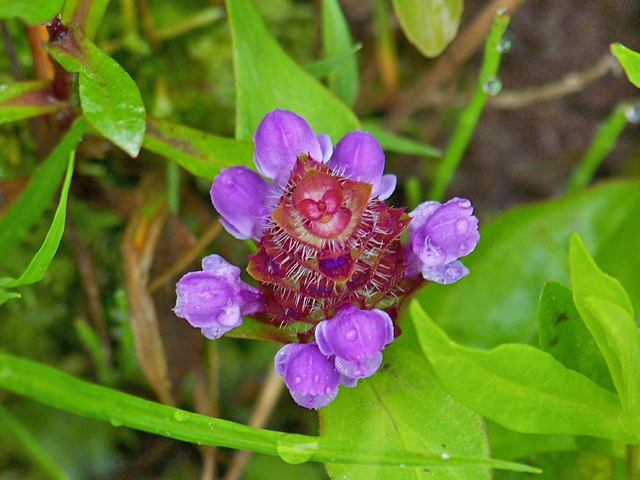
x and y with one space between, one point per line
461 226
115 422
351 334
298 380
181 415
502 11
492 86
316 378
445 456
327 391
632 112
296 449
504 45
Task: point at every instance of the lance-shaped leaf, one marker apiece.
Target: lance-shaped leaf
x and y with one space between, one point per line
405 405
198 152
344 80
27 99
608 314
60 390
37 196
563 334
87 14
629 60
267 78
110 99
31 11
429 24
522 388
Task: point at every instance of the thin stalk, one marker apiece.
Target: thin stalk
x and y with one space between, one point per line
487 84
173 187
386 50
30 445
603 142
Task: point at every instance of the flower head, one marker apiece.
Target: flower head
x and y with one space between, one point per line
329 256
438 236
215 299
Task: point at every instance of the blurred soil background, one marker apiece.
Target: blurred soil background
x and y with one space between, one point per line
559 83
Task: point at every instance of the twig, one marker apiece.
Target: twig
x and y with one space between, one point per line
456 54
571 83
182 263
266 403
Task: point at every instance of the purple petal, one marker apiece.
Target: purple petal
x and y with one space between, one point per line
359 369
353 334
279 139
326 146
311 377
438 236
387 186
216 299
241 196
358 156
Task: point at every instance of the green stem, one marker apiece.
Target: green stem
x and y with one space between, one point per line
603 142
57 389
31 445
173 186
470 116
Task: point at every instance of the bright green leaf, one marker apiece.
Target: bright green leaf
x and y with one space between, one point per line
267 78
38 266
563 334
87 14
37 196
396 143
60 390
429 24
344 81
497 302
31 11
5 296
110 99
27 99
629 60
404 405
200 153
596 296
521 387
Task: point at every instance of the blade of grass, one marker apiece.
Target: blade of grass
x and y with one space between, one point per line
31 446
471 114
603 142
60 390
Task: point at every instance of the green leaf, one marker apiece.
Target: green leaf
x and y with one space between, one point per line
396 143
267 78
607 312
497 302
87 14
322 68
200 153
5 296
255 330
521 387
429 24
27 99
110 99
629 60
344 81
38 266
37 196
57 389
31 11
404 405
563 334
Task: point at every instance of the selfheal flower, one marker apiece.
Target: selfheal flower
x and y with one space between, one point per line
215 299
356 337
440 234
310 376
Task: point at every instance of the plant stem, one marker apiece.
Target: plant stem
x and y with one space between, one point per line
470 116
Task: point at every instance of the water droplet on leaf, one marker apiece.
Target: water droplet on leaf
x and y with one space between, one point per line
504 45
492 87
295 449
632 112
181 415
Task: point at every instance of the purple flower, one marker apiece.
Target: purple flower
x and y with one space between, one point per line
215 299
245 200
438 236
356 337
311 377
